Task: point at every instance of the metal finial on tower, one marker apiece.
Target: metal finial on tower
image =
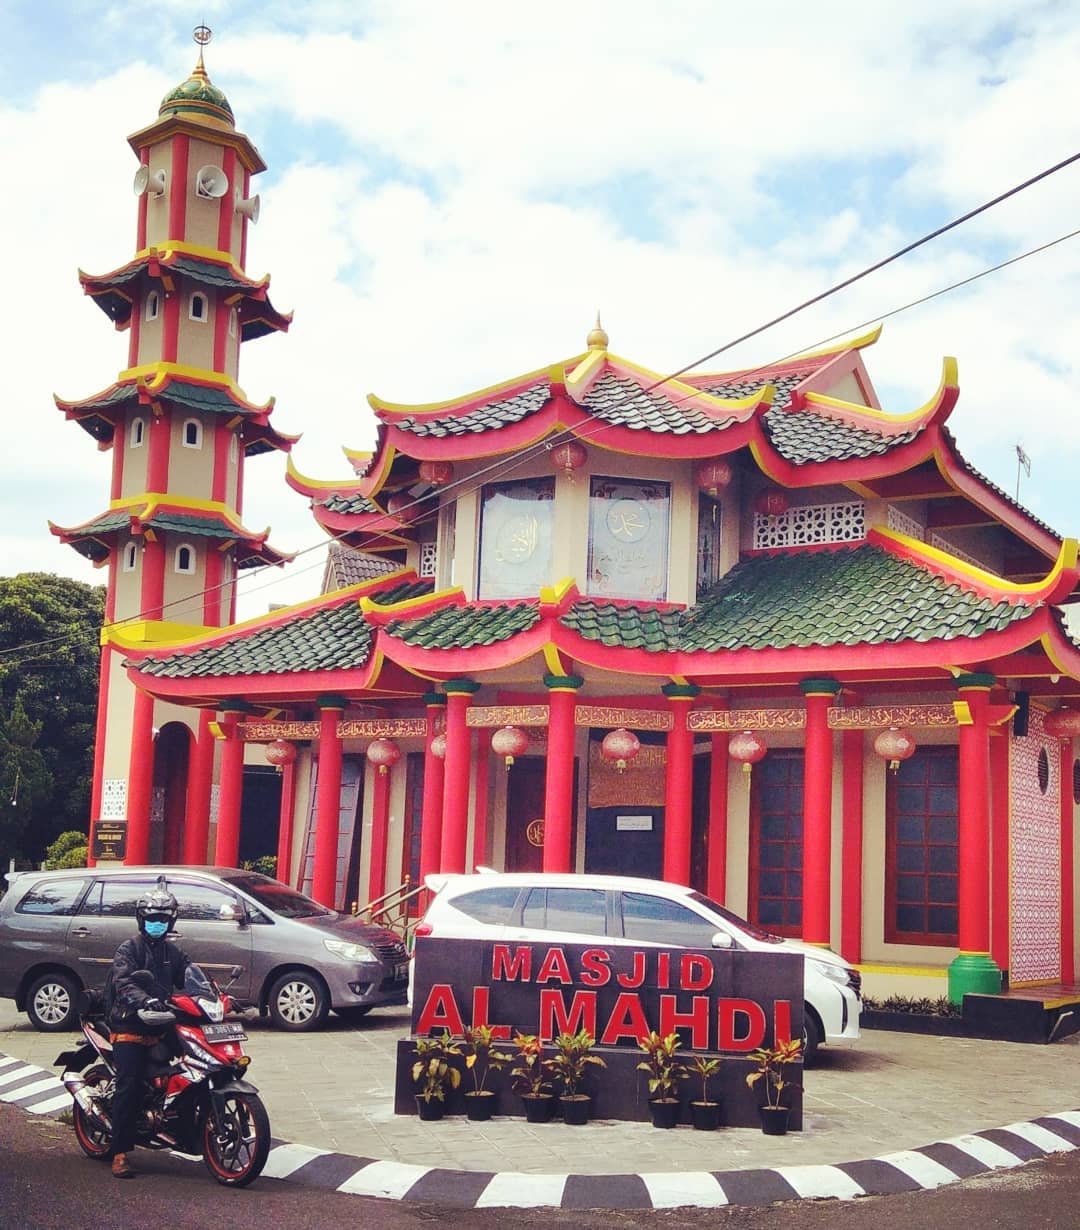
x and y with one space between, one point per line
202 34
597 339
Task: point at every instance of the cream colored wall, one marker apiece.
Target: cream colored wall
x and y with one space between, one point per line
183 592
128 585
151 333
191 470
157 207
202 215
195 344
133 478
121 712
301 807
847 389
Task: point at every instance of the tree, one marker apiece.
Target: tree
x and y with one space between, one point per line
49 659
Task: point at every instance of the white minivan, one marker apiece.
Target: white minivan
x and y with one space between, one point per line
575 909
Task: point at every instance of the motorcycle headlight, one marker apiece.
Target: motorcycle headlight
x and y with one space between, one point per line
214 1009
350 952
834 973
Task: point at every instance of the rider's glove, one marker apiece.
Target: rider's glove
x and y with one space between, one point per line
154 1005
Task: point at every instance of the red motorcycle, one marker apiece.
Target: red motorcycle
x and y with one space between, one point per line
195 1098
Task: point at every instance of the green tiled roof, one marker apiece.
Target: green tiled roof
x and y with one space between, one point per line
338 503
488 417
624 403
853 596
462 627
192 396
335 638
210 274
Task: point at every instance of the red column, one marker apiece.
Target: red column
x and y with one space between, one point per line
678 785
380 827
716 881
285 822
212 585
200 785
852 853
431 806
140 780
559 772
817 811
999 845
1068 952
177 188
159 446
975 823
328 802
152 591
457 771
227 846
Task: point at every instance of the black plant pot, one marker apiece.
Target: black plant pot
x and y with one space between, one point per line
429 1110
664 1112
705 1116
575 1108
539 1107
774 1120
479 1105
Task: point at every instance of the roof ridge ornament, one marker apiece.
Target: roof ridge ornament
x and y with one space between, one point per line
598 338
202 34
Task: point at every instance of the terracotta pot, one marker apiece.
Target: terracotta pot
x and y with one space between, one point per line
664 1112
575 1108
479 1105
774 1120
705 1116
539 1107
431 1110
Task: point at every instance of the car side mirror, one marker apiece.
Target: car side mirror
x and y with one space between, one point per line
231 911
722 940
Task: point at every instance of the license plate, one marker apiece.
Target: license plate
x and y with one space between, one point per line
401 972
227 1032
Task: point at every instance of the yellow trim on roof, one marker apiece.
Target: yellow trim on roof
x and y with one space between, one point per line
949 380
552 595
553 371
137 634
152 376
321 484
182 248
856 343
765 394
407 604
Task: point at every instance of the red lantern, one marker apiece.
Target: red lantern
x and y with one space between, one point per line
509 742
1063 723
384 753
747 748
438 746
437 473
620 746
280 753
772 502
895 745
398 502
569 457
713 477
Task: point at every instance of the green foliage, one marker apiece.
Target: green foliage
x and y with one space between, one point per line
772 1065
571 1060
481 1057
917 1007
49 656
705 1068
68 850
432 1072
530 1076
664 1069
264 865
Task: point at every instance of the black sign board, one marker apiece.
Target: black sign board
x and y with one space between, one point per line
110 841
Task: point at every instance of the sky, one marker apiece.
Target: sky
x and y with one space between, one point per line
455 189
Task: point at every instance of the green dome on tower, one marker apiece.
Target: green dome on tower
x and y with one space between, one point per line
197 96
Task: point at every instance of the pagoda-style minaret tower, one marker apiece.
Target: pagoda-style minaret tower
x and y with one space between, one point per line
179 428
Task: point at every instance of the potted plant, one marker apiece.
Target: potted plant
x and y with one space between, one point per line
664 1072
571 1061
772 1065
481 1058
433 1074
529 1078
704 1113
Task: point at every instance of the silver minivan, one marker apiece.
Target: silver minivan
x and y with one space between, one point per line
274 947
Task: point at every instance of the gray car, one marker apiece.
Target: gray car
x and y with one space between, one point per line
273 946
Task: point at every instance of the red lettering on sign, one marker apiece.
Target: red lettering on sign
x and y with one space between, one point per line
637 977
594 968
781 1021
696 1020
751 1014
481 1006
555 968
627 1020
508 968
663 971
555 1019
440 1011
695 972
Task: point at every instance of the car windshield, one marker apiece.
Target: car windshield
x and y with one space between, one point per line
286 902
748 928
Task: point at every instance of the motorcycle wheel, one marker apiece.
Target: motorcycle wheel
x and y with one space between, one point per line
235 1150
94 1141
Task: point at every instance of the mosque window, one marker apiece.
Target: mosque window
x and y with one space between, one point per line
138 432
153 305
131 557
192 437
199 307
516 521
628 539
185 558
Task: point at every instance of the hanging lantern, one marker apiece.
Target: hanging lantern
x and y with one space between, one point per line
280 753
398 502
384 753
438 746
772 502
713 477
1062 724
620 746
895 745
569 457
509 742
747 748
437 473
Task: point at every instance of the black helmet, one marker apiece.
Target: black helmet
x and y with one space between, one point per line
157 905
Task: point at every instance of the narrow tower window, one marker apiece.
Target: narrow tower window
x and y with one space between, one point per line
234 449
185 558
138 432
131 556
199 307
192 433
232 322
153 305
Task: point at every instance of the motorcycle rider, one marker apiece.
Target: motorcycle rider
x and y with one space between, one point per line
148 953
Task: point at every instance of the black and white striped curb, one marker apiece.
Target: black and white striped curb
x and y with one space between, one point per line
946 1161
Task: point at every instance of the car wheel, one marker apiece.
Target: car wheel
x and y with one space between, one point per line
813 1035
51 1002
298 1001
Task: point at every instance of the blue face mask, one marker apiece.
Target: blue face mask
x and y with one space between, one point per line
155 930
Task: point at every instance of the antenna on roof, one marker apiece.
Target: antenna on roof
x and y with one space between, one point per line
1023 462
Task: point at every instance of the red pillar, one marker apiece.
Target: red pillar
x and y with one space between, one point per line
200 784
457 772
328 802
1068 952
852 854
140 780
227 845
151 594
678 785
285 822
559 772
817 811
999 846
380 827
716 881
431 805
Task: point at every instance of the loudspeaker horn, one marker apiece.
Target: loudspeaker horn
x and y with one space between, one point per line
145 181
211 182
249 208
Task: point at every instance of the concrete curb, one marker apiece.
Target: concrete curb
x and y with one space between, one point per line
40 1092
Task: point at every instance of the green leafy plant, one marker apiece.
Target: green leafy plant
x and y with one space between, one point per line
706 1069
68 850
529 1078
918 1007
433 1073
773 1063
265 865
664 1069
572 1059
481 1057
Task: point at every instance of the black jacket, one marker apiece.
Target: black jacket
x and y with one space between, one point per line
163 960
